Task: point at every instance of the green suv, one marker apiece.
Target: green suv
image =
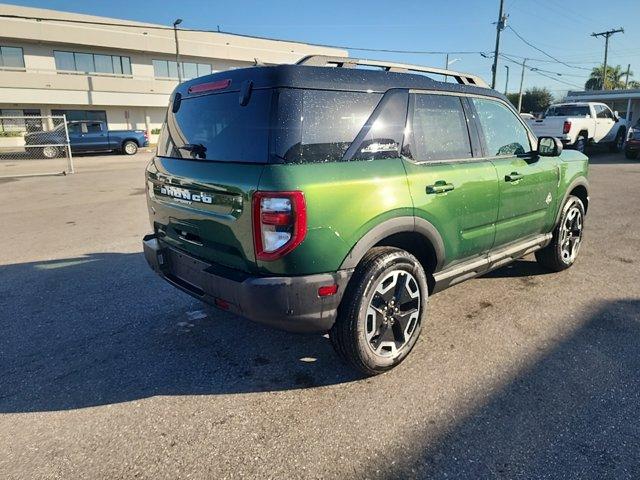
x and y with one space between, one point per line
328 197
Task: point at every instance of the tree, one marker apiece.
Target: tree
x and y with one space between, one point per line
633 84
533 100
615 78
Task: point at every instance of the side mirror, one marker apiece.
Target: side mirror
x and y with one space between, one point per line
549 146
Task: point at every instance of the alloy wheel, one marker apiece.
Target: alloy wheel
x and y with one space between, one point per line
571 235
393 313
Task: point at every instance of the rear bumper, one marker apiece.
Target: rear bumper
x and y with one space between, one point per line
286 303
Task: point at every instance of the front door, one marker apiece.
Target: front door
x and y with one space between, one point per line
605 121
451 189
528 183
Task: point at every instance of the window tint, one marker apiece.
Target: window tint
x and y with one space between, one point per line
603 112
104 63
75 115
74 128
64 61
11 57
503 132
217 127
319 125
438 129
568 111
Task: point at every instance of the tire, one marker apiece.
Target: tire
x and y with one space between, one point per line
581 143
50 152
129 147
562 252
631 155
373 333
618 143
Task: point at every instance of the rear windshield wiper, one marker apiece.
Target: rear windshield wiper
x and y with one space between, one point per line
197 150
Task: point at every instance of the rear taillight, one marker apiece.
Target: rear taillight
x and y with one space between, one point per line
279 223
566 127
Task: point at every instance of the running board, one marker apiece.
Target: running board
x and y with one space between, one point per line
494 259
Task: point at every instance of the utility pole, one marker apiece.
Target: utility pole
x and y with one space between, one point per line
175 32
502 20
446 67
521 83
626 82
506 83
606 36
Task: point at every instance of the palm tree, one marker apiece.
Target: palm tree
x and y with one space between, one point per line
615 77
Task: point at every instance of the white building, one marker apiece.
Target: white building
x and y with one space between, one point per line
54 62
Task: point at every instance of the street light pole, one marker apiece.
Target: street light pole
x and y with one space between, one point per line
175 33
506 83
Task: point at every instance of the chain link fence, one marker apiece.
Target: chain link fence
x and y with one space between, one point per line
34 145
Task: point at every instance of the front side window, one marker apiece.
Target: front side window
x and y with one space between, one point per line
503 132
603 112
94 127
11 57
438 129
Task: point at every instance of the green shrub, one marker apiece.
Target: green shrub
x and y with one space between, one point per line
155 131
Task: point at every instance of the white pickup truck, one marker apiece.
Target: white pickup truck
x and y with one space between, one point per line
580 124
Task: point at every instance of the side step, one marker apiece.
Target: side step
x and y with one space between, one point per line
494 259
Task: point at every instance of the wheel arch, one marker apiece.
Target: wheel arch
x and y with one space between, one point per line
415 235
129 139
580 188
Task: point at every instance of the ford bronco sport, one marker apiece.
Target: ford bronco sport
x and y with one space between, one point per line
318 199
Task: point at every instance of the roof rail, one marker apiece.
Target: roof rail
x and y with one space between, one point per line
348 62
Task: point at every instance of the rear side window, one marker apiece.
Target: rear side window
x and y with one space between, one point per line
568 111
438 129
503 131
216 127
319 125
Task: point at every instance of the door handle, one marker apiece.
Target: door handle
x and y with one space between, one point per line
440 187
513 177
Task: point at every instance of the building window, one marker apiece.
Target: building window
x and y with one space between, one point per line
11 57
75 115
169 69
92 63
20 124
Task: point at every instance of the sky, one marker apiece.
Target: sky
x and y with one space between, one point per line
560 28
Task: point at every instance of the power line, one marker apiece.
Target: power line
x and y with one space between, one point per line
543 52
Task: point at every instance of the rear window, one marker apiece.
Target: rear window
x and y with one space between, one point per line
217 127
568 111
319 125
307 126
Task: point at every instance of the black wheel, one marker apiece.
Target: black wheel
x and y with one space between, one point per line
130 147
618 143
630 155
562 252
381 314
581 143
50 152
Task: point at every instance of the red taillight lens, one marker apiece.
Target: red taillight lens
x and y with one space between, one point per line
209 86
279 223
327 290
566 127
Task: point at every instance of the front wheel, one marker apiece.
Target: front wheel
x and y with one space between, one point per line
130 147
562 252
381 314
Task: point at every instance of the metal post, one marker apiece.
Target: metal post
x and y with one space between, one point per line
499 28
506 83
175 33
521 83
446 67
66 134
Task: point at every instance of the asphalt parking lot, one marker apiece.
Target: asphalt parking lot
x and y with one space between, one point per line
106 372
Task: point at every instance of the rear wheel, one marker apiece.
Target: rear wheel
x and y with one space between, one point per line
381 314
562 252
580 143
130 147
618 143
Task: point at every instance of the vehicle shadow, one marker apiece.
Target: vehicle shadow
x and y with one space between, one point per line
601 156
104 329
571 413
519 268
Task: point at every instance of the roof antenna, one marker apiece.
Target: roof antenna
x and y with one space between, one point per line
257 63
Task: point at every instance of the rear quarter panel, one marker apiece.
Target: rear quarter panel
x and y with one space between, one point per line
344 201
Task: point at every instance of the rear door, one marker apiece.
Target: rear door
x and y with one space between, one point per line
211 154
450 187
528 183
